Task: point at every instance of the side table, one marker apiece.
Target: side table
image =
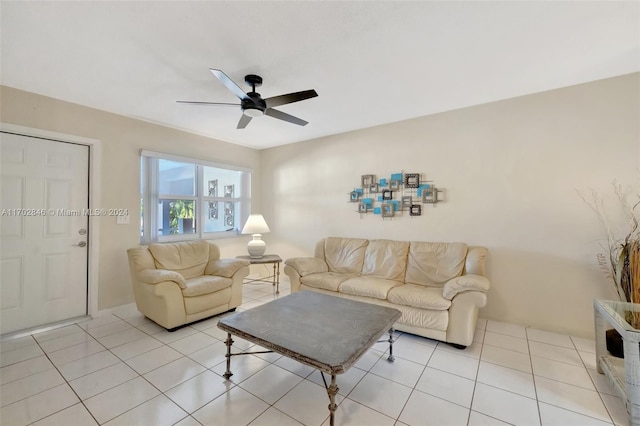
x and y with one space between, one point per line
267 258
624 374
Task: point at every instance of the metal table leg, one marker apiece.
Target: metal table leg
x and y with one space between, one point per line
332 391
229 342
391 358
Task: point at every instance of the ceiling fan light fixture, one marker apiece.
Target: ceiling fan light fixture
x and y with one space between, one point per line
253 112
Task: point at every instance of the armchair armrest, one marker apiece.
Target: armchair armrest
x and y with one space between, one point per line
225 267
155 276
307 265
465 283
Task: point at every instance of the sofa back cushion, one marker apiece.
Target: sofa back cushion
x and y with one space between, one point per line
433 264
345 255
188 258
386 259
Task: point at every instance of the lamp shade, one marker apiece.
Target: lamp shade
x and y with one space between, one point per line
255 225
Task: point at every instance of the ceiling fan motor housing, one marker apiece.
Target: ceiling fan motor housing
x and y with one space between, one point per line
254 106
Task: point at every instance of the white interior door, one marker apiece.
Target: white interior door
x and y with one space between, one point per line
44 202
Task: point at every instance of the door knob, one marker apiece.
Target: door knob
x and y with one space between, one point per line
80 244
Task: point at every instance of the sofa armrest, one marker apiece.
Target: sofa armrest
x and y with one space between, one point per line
155 276
307 265
465 283
225 267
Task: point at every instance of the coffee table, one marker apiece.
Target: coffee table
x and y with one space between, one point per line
324 332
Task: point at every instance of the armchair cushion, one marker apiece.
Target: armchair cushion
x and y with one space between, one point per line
189 258
155 276
205 284
465 283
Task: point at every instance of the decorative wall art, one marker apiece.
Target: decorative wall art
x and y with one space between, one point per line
213 209
213 205
213 188
402 192
228 214
228 206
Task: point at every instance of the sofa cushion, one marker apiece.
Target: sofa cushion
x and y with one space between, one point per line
188 258
386 259
325 280
205 284
418 296
368 287
433 264
207 302
344 255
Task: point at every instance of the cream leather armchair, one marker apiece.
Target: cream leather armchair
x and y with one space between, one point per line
178 283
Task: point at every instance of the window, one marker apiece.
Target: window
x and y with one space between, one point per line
183 198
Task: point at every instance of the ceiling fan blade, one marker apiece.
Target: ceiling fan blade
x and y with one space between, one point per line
224 79
244 120
285 117
207 103
290 98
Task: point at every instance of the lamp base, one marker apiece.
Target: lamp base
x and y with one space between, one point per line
256 247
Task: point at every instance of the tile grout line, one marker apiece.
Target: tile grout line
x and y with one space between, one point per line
404 406
533 377
475 382
68 385
606 407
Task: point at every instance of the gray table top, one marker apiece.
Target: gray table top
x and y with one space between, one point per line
267 258
325 332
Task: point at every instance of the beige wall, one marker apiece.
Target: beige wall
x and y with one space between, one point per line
121 140
510 169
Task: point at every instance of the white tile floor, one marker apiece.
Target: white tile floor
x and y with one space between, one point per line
122 369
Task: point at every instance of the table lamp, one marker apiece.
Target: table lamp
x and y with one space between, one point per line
256 225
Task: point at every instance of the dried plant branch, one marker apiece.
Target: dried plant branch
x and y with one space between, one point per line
634 270
623 266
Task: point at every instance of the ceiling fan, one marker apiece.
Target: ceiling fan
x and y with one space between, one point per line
253 105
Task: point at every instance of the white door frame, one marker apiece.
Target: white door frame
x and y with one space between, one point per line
94 200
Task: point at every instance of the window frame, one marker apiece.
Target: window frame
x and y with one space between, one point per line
150 196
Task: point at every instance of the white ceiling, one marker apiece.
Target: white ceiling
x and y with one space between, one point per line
370 62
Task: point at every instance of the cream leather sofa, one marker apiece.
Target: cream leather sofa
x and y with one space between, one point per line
438 287
179 283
